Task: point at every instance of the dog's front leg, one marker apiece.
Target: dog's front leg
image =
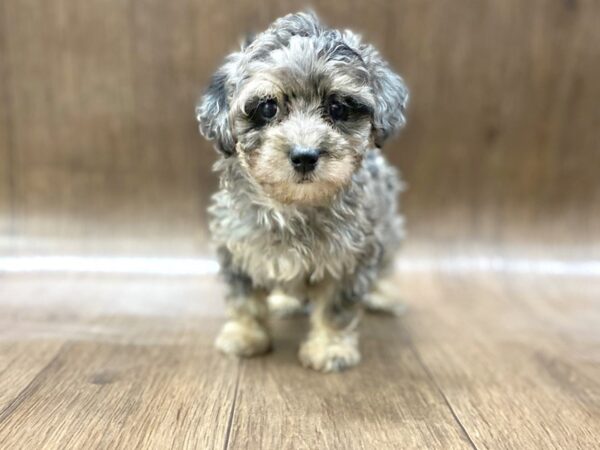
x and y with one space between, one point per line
332 344
246 332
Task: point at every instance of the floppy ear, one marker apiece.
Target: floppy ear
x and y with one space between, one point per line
391 94
212 112
391 99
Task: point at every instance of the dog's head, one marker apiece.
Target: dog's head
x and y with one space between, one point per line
299 105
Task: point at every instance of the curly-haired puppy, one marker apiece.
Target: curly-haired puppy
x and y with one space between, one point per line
307 203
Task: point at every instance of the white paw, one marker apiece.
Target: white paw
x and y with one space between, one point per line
283 305
376 302
243 338
384 299
327 353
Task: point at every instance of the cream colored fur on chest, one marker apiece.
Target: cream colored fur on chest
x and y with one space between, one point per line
270 262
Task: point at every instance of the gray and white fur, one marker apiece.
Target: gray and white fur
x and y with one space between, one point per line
307 206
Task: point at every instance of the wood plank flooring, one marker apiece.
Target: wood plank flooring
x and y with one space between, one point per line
479 360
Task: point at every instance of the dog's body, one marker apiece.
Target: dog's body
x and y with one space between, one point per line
277 245
307 205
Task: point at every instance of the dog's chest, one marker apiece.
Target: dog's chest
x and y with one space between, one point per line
289 251
270 260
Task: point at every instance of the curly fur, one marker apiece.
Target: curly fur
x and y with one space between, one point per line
328 235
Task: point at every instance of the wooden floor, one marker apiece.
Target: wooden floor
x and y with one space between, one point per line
479 360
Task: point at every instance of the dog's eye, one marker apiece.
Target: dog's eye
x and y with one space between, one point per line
338 111
267 109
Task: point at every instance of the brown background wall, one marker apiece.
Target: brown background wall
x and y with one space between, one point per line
99 150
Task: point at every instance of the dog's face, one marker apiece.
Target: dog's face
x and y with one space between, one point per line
299 106
302 120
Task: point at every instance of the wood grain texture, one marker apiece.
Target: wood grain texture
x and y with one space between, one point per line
477 361
136 370
389 401
504 137
6 155
20 366
513 357
73 121
501 147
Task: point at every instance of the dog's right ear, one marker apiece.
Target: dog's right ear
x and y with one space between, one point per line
212 112
391 93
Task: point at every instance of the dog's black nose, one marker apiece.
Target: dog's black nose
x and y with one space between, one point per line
304 159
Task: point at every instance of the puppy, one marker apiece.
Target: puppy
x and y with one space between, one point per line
307 203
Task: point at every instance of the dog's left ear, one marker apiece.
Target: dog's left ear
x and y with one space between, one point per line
212 112
391 93
391 99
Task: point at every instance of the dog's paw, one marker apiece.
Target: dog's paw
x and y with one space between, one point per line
378 303
243 338
327 353
384 299
283 305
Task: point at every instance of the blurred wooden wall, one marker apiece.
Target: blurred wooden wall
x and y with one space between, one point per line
99 149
